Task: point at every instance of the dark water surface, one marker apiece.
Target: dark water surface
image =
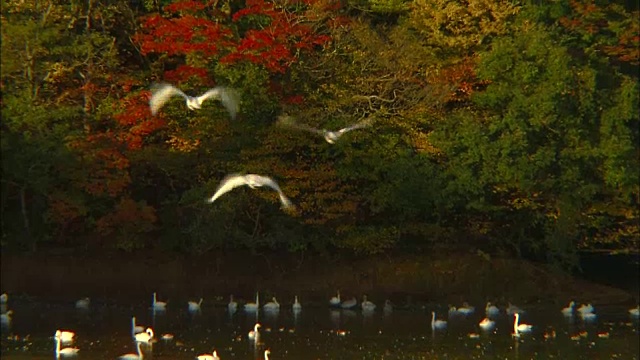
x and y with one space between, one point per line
317 332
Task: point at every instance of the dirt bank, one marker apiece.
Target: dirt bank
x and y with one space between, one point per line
449 278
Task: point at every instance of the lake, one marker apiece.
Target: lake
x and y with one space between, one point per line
317 332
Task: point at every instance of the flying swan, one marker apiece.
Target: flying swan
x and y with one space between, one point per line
161 93
329 136
253 181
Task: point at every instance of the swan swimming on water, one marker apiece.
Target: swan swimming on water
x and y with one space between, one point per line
437 324
491 310
367 305
252 307
329 136
83 304
69 351
232 307
349 304
135 328
254 334
520 328
253 181
131 356
6 317
161 93
585 309
273 305
158 305
4 298
296 307
335 301
635 312
568 311
213 356
144 337
487 324
194 306
65 336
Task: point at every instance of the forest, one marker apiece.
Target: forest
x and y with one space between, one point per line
503 126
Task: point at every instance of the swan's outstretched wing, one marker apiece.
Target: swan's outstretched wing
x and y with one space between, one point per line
228 183
286 120
360 125
161 93
267 181
227 96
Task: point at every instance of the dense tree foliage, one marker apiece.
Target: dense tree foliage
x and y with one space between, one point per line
496 125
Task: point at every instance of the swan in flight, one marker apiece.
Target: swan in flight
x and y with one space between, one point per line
69 351
65 336
161 93
253 181
213 356
437 324
329 136
131 356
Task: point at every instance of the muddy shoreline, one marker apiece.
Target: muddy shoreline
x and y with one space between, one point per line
121 277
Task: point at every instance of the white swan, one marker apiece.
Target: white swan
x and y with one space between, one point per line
158 305
491 310
232 307
335 301
437 324
131 356
273 305
568 311
213 356
635 312
388 307
135 328
266 354
253 181
367 305
65 336
349 304
4 298
587 317
466 309
585 309
144 337
83 304
69 351
520 328
296 307
329 136
194 306
252 307
487 324
254 334
161 93
6 317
